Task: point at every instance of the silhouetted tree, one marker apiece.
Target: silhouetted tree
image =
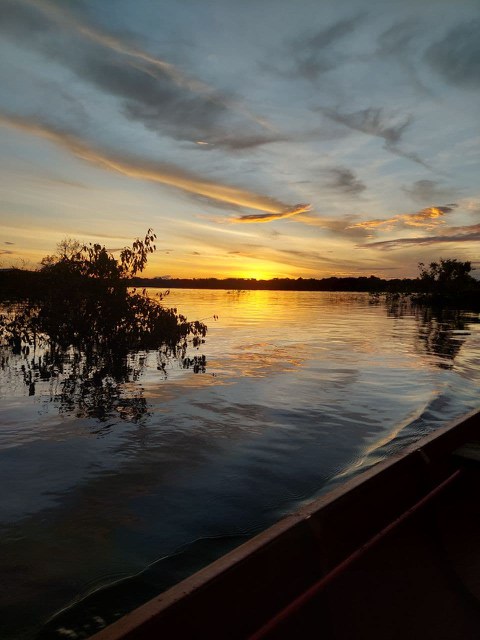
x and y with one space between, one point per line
446 274
83 300
448 282
90 322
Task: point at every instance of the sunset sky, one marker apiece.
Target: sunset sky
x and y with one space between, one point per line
258 138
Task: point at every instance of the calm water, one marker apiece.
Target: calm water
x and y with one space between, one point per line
299 390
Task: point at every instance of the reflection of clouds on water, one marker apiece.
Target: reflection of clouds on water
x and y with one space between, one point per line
293 395
262 360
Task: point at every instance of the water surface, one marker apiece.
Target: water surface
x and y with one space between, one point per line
300 389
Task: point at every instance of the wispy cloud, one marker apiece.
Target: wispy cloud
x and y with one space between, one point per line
427 218
457 55
374 122
469 233
343 225
398 43
398 37
288 212
154 172
429 191
316 54
240 142
345 180
153 91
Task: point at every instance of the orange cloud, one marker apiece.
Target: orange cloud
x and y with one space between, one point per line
427 218
155 172
289 212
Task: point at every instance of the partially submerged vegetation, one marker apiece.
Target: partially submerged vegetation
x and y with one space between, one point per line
448 283
78 321
80 298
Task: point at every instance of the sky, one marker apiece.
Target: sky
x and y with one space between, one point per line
258 139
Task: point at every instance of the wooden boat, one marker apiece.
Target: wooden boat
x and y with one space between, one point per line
392 553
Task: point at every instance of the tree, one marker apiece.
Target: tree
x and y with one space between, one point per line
92 327
447 275
83 301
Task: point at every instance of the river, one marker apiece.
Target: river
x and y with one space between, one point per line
106 502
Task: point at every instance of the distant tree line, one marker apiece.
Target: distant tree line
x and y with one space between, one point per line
445 277
448 276
333 283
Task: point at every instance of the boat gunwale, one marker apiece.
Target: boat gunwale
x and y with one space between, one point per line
430 451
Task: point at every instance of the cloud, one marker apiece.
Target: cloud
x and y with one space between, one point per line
152 91
397 42
240 142
397 38
344 179
374 122
293 257
371 121
270 217
53 13
457 56
340 225
8 242
161 173
469 233
428 191
427 218
314 55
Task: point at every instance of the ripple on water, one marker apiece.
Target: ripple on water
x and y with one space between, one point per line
300 389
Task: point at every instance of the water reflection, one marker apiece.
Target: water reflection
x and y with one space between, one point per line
101 385
118 462
441 332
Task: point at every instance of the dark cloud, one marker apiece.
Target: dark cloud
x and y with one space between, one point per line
152 91
240 142
371 121
374 122
315 55
469 233
398 38
398 42
429 190
19 20
8 242
457 56
289 212
4 252
345 180
154 100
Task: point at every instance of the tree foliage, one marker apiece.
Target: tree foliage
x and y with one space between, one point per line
448 283
83 300
448 272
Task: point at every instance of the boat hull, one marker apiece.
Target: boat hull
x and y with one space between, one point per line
380 556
